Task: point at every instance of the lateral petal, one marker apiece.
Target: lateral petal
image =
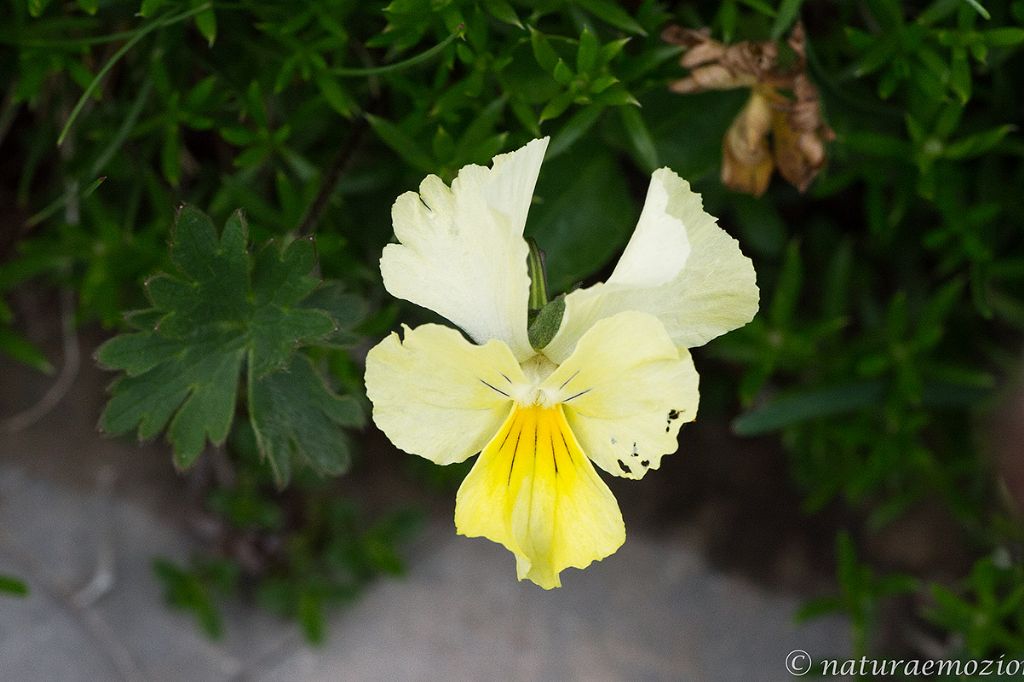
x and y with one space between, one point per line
626 389
437 395
462 252
535 492
678 266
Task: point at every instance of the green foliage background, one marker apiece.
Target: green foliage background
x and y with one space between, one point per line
893 291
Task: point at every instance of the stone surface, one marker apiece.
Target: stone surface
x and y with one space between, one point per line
653 611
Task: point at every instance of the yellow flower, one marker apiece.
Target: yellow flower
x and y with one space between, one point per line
611 388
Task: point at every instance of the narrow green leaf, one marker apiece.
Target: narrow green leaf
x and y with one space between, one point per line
557 106
15 346
542 50
36 7
13 586
588 52
503 11
613 13
406 147
809 404
1008 36
788 13
639 137
206 23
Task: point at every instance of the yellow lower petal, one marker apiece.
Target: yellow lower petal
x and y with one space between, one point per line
534 491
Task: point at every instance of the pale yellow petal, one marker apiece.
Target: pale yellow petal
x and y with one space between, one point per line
437 395
626 390
462 252
679 266
536 493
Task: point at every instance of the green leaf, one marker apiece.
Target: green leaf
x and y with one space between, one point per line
575 128
223 307
15 346
787 288
584 216
977 144
402 144
557 106
542 50
148 7
979 8
36 7
502 11
639 137
810 404
89 6
12 586
588 52
296 417
612 13
1007 36
788 12
206 23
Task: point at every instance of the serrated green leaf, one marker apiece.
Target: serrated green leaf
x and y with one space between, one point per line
224 306
346 309
296 417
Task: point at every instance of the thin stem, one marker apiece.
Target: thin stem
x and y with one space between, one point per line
121 52
333 177
399 66
538 278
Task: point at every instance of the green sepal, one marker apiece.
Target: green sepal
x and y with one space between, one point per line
545 322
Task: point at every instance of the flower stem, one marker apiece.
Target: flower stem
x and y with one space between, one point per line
538 278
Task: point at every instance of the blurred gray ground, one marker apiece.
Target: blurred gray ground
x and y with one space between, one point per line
81 518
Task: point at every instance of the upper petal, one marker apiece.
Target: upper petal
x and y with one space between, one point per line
626 389
679 266
437 395
462 252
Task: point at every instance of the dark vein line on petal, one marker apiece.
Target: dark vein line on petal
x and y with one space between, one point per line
495 389
565 383
578 395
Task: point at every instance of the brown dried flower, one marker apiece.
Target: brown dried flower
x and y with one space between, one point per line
783 104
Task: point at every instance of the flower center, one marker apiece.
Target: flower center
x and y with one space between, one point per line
530 394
